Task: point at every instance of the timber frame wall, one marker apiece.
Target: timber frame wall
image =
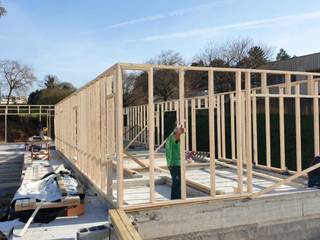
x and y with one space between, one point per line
90 132
40 111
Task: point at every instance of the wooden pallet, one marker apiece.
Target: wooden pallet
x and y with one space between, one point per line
31 204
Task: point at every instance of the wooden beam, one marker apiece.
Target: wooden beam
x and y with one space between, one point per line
232 127
151 135
211 134
248 127
239 130
123 226
298 128
284 181
119 137
193 125
316 119
182 139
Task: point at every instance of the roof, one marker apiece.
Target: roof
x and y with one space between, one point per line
308 63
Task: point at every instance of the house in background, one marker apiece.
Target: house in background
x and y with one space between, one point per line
306 63
14 100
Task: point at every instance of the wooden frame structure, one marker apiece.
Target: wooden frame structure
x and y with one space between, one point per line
90 132
26 110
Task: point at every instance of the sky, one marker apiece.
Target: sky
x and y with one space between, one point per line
77 39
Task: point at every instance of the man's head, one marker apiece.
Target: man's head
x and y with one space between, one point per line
177 132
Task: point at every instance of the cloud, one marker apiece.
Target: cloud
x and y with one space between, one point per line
235 26
155 17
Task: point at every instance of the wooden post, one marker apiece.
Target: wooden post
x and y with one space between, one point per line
223 129
182 140
254 127
162 122
281 130
211 133
248 132
298 127
316 119
239 131
158 124
6 125
187 124
119 137
151 135
287 83
219 127
193 125
265 90
232 128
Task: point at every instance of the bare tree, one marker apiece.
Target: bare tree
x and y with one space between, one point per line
168 57
166 82
208 54
16 77
3 11
236 50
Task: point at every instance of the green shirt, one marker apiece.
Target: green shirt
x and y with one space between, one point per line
172 152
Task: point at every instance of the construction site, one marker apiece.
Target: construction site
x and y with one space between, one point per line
108 161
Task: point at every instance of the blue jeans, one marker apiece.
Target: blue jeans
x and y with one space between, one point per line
176 182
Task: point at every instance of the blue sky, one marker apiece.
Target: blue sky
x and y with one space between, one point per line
76 39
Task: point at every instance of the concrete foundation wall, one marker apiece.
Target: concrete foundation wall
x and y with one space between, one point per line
288 216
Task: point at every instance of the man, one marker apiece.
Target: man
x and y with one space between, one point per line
173 161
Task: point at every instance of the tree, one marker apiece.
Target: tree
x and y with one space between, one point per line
166 82
50 81
257 56
3 11
16 77
51 93
168 57
282 55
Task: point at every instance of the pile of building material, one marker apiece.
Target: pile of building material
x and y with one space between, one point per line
39 147
48 190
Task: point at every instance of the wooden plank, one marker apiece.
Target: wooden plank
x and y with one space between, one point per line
193 125
151 135
223 129
211 134
298 128
219 127
248 127
232 127
287 83
123 227
239 131
182 139
284 181
30 220
119 137
265 90
316 120
254 127
281 132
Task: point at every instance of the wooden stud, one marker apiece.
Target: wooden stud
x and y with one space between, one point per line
316 120
151 135
239 131
193 126
119 137
298 128
232 127
223 130
248 126
281 131
211 134
182 140
219 127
